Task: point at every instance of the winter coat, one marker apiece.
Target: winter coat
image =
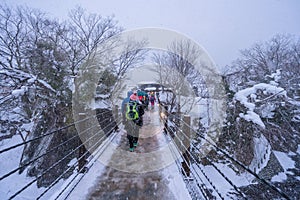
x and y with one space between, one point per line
140 111
125 100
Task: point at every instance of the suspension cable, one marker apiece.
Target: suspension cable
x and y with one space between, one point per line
50 133
202 190
55 164
173 151
58 178
80 170
278 190
227 179
220 172
44 154
104 147
202 171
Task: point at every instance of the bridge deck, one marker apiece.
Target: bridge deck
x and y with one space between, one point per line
147 173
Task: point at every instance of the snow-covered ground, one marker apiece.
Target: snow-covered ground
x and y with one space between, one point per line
10 185
168 174
88 180
262 152
10 160
286 162
222 186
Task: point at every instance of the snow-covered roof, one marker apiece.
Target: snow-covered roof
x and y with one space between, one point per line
147 82
150 88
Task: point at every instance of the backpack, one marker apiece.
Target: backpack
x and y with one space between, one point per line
131 111
152 98
141 98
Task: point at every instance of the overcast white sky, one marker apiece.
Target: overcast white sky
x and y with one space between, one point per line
222 27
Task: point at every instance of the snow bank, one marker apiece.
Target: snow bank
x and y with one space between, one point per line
243 97
19 92
252 116
262 152
10 185
176 183
221 184
46 85
286 162
276 77
101 104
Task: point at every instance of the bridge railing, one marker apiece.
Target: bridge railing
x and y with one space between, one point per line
82 163
180 132
180 135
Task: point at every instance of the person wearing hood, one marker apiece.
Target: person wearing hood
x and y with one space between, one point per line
143 97
125 101
132 125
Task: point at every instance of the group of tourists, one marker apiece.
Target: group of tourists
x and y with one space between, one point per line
133 109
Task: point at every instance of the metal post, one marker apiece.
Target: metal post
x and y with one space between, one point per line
160 110
166 114
82 150
186 143
116 116
116 111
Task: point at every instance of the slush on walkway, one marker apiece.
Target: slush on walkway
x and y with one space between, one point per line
147 173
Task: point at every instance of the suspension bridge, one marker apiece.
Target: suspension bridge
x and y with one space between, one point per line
147 173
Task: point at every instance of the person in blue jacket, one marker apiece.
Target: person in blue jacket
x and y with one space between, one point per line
125 101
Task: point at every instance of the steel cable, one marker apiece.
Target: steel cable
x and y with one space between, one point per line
58 178
112 137
238 162
202 190
55 164
47 134
44 154
202 171
221 173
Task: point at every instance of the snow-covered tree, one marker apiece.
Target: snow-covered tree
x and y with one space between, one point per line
39 59
176 70
261 100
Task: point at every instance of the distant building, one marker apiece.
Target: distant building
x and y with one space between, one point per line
152 87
